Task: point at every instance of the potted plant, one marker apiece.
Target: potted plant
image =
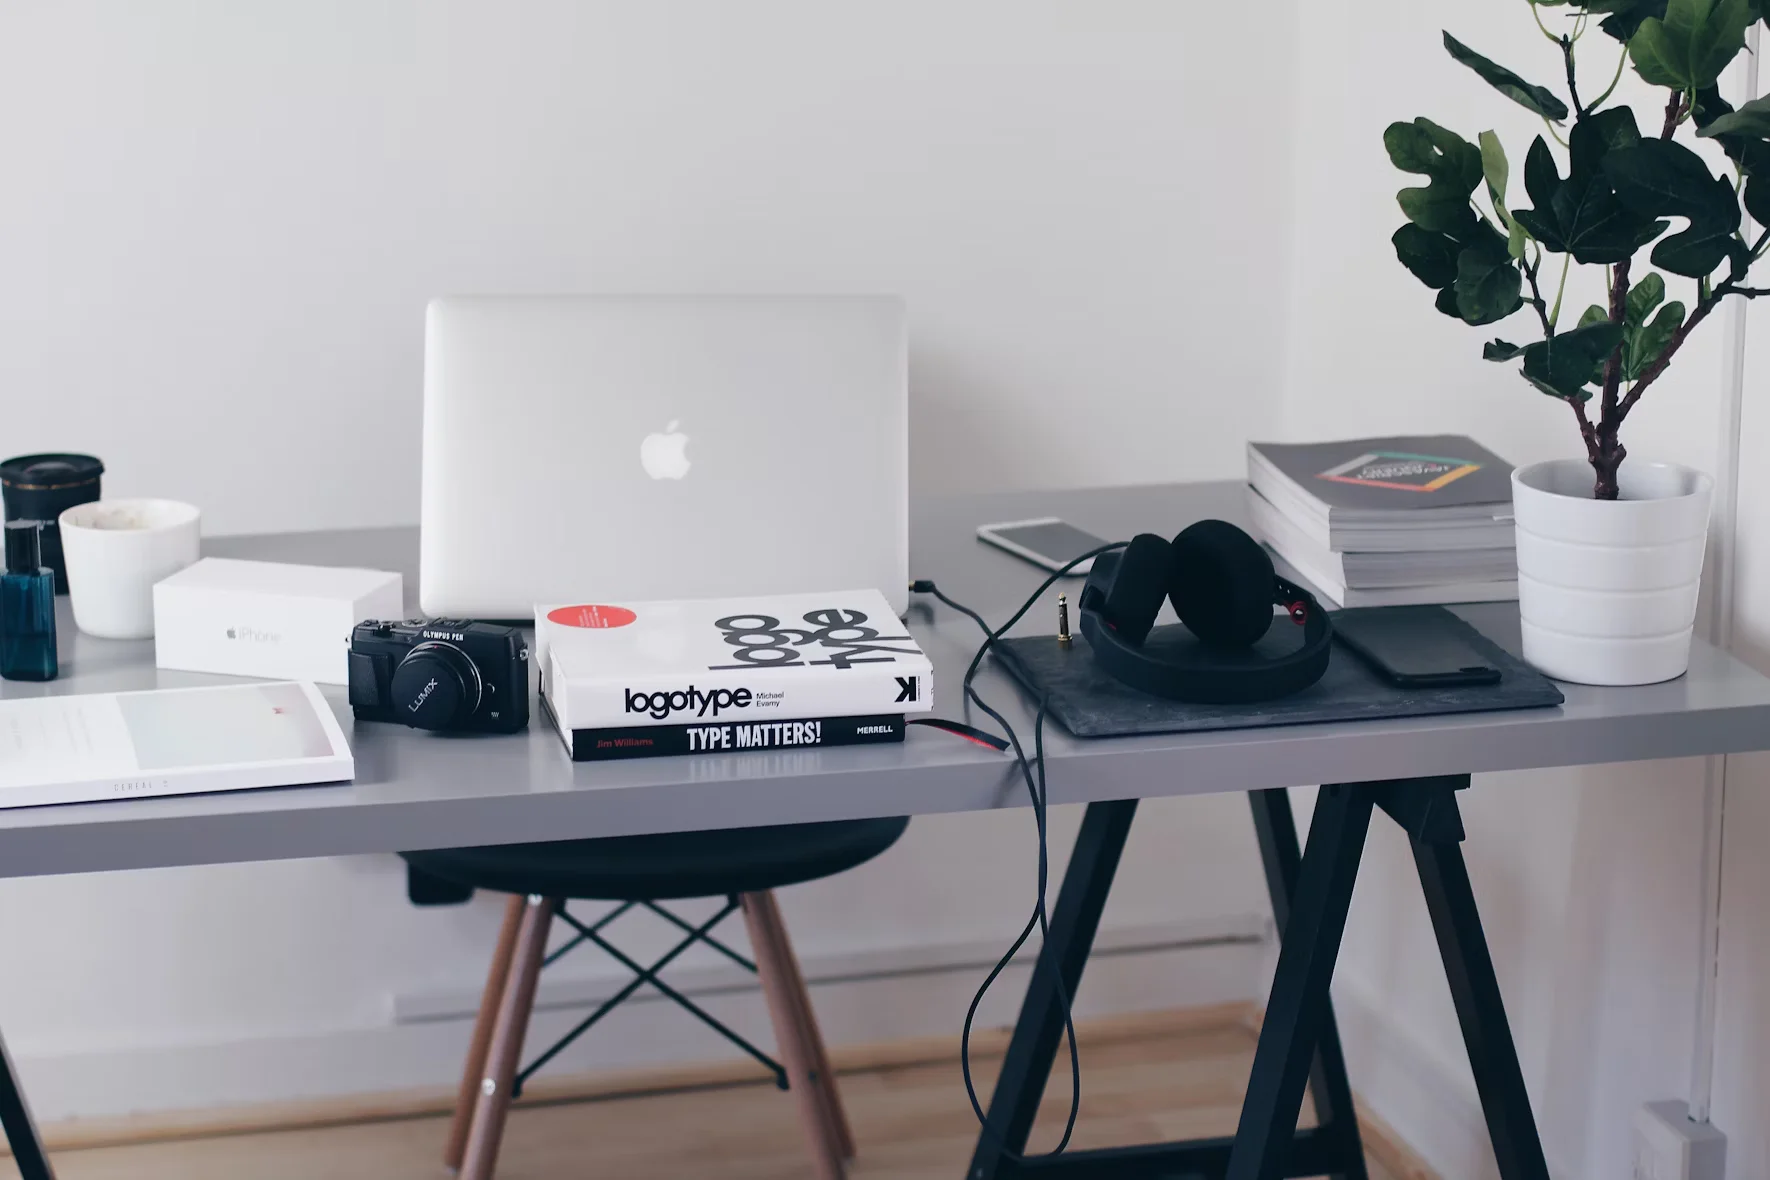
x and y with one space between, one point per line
1609 553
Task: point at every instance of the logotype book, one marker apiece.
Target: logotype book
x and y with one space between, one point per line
168 741
707 675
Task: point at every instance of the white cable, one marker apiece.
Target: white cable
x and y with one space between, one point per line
1721 611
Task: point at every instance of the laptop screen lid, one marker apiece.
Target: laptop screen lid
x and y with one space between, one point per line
600 448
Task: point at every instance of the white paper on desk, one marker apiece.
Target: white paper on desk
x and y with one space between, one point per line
64 749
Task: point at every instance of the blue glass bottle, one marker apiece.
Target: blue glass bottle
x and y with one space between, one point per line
27 606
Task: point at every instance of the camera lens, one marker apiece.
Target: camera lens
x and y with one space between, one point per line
436 686
40 487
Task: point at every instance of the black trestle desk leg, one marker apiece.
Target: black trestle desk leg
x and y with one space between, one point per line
1275 826
1299 1001
1468 965
1039 1030
21 1132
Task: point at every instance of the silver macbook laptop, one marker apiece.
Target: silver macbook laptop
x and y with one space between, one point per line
597 448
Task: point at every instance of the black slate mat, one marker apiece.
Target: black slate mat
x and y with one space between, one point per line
1090 703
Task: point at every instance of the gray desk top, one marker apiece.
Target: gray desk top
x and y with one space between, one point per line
422 790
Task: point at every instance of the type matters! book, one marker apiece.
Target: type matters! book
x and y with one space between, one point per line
651 741
695 666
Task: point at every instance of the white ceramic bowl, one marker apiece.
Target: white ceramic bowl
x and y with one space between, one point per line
115 550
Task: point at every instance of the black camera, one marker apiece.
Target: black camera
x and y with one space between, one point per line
440 674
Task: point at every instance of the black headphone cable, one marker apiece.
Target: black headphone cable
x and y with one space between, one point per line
1033 773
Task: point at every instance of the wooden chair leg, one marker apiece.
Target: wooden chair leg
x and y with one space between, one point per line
820 1057
474 1070
492 1104
775 972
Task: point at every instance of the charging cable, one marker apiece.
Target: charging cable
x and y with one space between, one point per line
1032 772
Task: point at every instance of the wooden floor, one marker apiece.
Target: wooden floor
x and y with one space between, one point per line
910 1122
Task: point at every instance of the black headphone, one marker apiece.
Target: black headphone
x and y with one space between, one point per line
1223 587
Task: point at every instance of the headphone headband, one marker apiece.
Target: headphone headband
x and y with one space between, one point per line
1207 676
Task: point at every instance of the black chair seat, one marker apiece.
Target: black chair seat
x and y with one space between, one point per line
666 867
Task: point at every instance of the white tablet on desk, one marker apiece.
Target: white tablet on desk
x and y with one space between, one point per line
171 741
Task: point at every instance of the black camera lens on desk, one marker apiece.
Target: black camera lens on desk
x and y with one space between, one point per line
438 685
42 487
444 674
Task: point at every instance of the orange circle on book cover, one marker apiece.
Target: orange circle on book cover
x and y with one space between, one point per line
591 615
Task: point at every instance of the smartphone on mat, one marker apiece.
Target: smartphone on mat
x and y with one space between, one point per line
1048 542
1414 646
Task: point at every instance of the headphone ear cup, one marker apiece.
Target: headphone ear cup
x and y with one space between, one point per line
1222 584
1145 572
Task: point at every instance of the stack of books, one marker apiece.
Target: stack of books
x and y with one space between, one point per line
1388 521
713 676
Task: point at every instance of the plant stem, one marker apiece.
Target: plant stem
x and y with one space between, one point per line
1586 430
1572 83
1536 297
1674 113
1539 21
1555 316
1609 453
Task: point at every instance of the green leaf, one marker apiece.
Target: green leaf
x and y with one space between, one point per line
1430 256
1644 296
1689 47
1750 153
1516 236
1659 178
1752 119
1626 15
1497 172
1535 99
1437 208
1451 163
1447 303
1596 314
1500 350
1582 215
1541 177
1425 148
1562 365
1597 135
1646 343
1757 199
1488 285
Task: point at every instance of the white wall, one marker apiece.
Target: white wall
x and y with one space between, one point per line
1588 879
221 221
219 225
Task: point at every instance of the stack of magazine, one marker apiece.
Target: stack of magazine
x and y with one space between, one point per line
1388 521
717 676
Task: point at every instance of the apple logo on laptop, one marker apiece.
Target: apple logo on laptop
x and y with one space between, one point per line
664 455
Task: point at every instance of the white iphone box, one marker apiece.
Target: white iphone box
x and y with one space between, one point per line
264 618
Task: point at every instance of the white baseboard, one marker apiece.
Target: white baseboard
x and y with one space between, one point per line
1431 1107
874 996
563 989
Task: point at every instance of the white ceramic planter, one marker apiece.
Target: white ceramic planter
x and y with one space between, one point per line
1607 588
